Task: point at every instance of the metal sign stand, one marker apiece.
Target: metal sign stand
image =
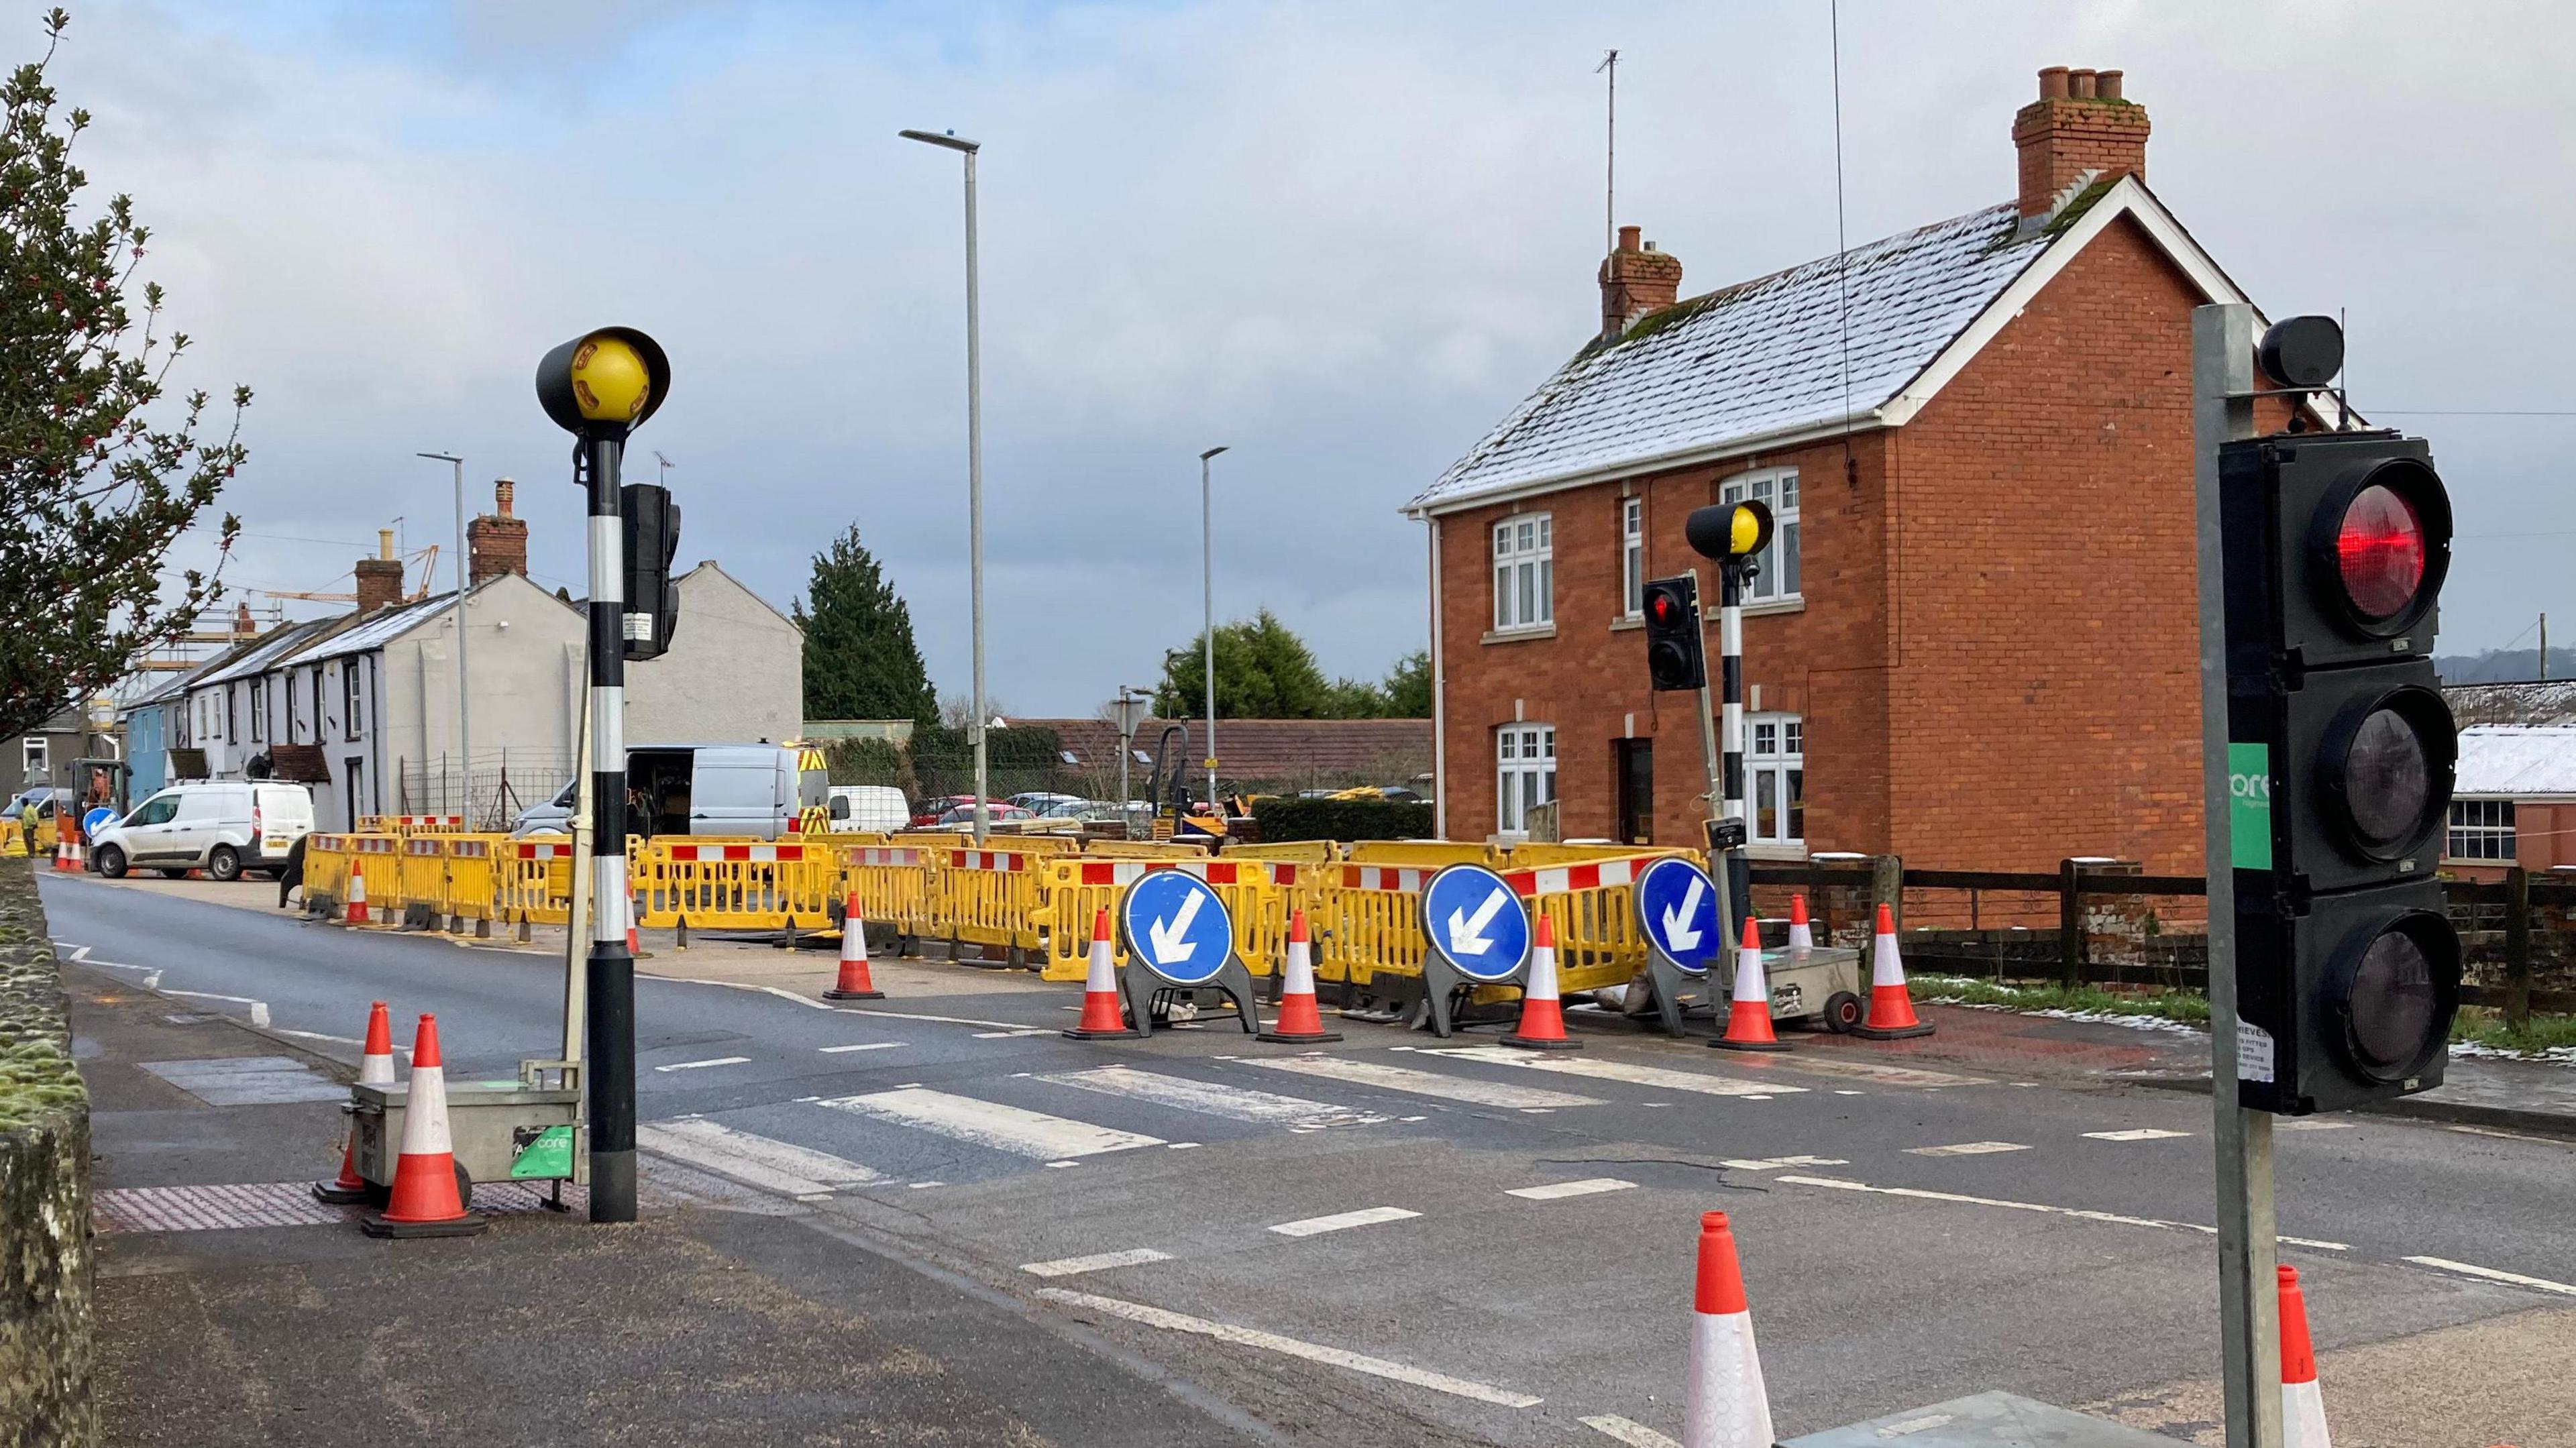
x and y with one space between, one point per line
1142 984
2222 353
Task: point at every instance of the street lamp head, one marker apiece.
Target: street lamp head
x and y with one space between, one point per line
603 383
949 139
1212 452
440 457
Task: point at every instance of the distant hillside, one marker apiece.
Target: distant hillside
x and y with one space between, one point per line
2502 666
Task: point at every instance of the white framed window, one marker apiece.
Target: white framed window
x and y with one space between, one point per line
258 711
232 712
1524 572
1775 571
1632 557
37 759
352 694
2481 829
1525 772
1775 778
294 718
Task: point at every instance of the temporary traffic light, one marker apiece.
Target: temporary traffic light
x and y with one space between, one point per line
603 383
652 539
1675 658
1731 533
2341 763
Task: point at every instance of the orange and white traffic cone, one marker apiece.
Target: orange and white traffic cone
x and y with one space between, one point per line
634 941
1101 1017
1802 937
1891 1006
357 912
375 1068
1300 1021
1748 1019
426 1199
1542 1026
62 855
2303 1407
854 984
1725 1404
80 855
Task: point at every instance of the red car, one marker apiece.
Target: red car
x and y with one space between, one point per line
934 811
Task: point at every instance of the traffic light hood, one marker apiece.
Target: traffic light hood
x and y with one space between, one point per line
604 383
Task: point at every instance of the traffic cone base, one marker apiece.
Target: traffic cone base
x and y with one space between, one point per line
854 984
1102 1019
1891 1007
428 1197
1300 1022
1748 1014
1542 1024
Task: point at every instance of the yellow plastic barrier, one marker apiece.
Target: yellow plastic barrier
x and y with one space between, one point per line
1593 905
532 881
376 858
1295 852
1417 854
1538 853
1258 894
326 867
422 873
987 897
725 886
1145 850
1367 918
411 824
473 874
893 884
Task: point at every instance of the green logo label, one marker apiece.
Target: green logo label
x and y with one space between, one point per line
544 1155
2249 806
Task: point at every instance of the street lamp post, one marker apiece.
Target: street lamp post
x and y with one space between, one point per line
464 719
1207 604
974 466
599 387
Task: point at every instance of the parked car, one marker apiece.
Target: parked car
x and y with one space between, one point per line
222 827
699 789
995 812
927 813
868 807
1039 802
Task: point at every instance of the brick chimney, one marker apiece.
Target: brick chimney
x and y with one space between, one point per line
2080 123
497 542
1636 279
380 577
243 624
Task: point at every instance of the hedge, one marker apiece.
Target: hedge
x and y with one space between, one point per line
1341 819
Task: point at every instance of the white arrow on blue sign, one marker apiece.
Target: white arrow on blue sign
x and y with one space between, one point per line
1677 908
1475 921
1177 926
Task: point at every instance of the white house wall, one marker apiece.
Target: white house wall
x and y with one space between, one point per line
517 645
735 673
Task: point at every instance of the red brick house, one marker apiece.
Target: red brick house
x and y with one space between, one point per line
1973 641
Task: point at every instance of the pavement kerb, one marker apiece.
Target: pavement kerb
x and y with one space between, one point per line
2417 1108
341 1072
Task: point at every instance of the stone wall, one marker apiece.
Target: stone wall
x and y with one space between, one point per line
47 1349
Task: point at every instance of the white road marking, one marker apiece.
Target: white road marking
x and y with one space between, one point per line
779 991
2137 1133
988 1123
1234 1103
1966 1148
997 1035
1635 1435
2471 1269
1096 1262
1661 1077
1552 1191
334 1040
917 1016
776 1166
207 995
1774 1163
2315 1123
861 1046
1291 1347
1342 1221
1962 1199
1421 1083
710 1061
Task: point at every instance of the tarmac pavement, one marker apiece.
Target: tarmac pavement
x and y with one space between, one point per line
1398 1240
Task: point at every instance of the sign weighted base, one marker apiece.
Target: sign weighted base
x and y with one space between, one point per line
1669 983
1441 983
1139 985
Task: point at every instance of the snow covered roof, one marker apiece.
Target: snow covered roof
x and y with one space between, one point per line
1761 362
378 629
2517 759
258 657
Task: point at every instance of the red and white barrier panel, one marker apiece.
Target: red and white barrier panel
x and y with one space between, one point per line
1385 877
870 855
1006 861
534 850
1565 879
714 854
1215 872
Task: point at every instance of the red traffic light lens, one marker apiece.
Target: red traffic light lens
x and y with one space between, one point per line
2380 551
1666 609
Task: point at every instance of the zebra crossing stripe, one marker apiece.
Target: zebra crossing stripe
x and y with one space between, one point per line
991 1124
1662 1078
1234 1103
1423 1083
758 1161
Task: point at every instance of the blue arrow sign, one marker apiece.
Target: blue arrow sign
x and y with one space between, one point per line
1476 923
1677 908
97 819
1177 927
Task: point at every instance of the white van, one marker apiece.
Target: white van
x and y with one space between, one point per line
700 789
221 827
858 808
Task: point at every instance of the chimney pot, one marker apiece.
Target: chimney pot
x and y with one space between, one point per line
2052 83
2067 135
504 491
1628 237
384 542
2106 84
243 623
2079 84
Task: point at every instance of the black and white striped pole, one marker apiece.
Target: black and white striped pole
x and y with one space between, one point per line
1732 534
600 386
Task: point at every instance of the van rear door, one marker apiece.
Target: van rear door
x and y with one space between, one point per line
736 790
280 815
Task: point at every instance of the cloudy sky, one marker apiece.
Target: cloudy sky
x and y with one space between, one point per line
1340 237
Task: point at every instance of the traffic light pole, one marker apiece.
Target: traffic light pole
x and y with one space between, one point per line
1711 762
2222 343
1734 894
609 975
